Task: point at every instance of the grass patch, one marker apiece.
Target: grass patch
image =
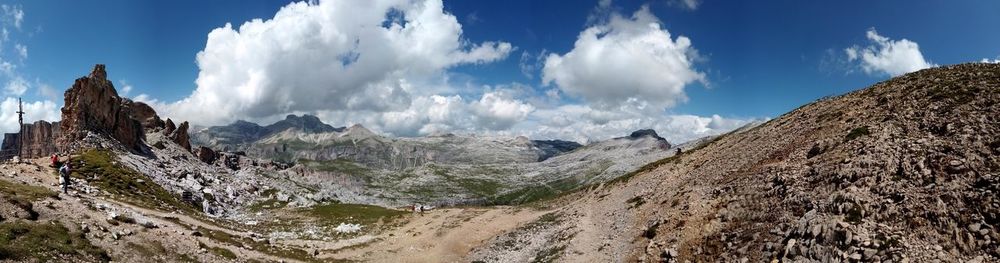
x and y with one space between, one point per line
27 193
544 191
21 241
219 251
268 204
263 247
479 187
23 195
351 213
337 165
857 132
99 168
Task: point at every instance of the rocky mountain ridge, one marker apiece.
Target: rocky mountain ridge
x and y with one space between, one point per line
93 106
903 171
309 138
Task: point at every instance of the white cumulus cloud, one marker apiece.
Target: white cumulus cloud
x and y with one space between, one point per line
585 124
887 56
329 56
34 111
628 60
498 112
13 14
16 86
387 64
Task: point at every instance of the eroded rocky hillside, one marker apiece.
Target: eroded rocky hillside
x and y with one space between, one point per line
906 170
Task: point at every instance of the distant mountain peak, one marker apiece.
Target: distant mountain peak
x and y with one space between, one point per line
306 123
358 131
645 132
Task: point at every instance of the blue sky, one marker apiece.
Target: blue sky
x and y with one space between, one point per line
754 60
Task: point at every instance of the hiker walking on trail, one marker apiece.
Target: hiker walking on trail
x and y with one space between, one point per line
64 177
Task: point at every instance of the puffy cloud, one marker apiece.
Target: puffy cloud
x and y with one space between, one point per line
16 86
498 112
385 64
887 56
996 60
628 60
13 14
585 124
34 111
329 56
494 111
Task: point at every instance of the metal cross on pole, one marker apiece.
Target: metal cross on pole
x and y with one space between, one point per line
20 128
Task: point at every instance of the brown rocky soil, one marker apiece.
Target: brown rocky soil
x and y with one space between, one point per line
904 171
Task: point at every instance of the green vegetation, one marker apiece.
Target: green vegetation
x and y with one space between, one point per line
543 191
857 132
263 247
351 213
100 168
21 241
22 195
24 192
222 252
479 180
337 165
271 203
155 248
479 187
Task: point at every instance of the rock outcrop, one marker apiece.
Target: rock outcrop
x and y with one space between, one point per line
39 139
207 155
146 116
645 132
93 105
180 136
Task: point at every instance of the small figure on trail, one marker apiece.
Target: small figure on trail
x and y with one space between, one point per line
55 161
64 177
678 151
